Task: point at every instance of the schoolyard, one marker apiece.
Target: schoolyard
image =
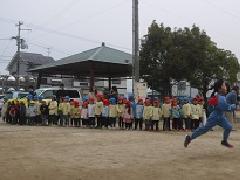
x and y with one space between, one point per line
63 153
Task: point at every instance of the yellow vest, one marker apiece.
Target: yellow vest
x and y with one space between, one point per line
200 108
120 109
156 113
186 110
77 113
166 110
98 108
65 108
52 108
112 111
194 111
147 112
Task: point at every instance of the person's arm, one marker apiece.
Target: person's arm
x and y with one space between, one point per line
223 106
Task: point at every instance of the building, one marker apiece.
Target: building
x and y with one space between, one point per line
98 68
27 61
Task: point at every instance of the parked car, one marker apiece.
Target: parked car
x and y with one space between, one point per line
47 93
15 94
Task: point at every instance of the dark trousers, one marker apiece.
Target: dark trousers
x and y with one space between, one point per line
112 121
188 123
84 122
180 124
194 124
99 121
138 122
44 119
38 119
92 121
154 122
147 124
166 124
105 121
77 122
31 120
128 126
120 122
175 124
52 119
22 120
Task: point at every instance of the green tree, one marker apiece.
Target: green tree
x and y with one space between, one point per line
186 53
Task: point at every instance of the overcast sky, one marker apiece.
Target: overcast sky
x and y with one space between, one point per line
71 26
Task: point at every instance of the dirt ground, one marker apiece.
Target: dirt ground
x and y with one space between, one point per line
50 153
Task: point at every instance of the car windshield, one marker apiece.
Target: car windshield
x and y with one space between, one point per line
9 95
70 93
22 94
39 92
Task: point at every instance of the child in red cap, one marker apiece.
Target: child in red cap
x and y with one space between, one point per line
105 113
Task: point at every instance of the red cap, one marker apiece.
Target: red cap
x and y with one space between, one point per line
105 102
91 99
85 104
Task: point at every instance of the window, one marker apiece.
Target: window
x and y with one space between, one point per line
47 94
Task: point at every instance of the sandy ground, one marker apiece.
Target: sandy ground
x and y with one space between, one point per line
28 153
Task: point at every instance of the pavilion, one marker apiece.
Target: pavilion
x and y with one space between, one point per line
102 62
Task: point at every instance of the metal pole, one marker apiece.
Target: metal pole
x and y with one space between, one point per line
18 53
135 44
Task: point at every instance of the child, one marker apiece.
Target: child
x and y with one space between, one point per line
120 108
3 111
139 114
127 115
133 109
147 114
72 113
53 107
17 111
105 113
201 110
91 112
12 113
23 112
166 111
112 112
194 114
38 103
84 114
64 108
187 115
98 111
31 112
217 116
44 113
77 115
156 114
175 115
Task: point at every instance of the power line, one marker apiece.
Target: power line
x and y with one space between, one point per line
222 9
66 8
52 31
104 11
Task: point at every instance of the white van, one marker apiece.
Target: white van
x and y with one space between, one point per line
47 93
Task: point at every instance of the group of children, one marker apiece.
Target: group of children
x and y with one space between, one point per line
99 112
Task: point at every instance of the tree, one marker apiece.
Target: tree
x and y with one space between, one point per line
186 53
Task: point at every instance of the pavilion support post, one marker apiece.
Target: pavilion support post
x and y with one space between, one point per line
109 84
39 79
92 78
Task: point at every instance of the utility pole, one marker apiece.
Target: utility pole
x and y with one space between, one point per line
135 45
20 43
18 39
